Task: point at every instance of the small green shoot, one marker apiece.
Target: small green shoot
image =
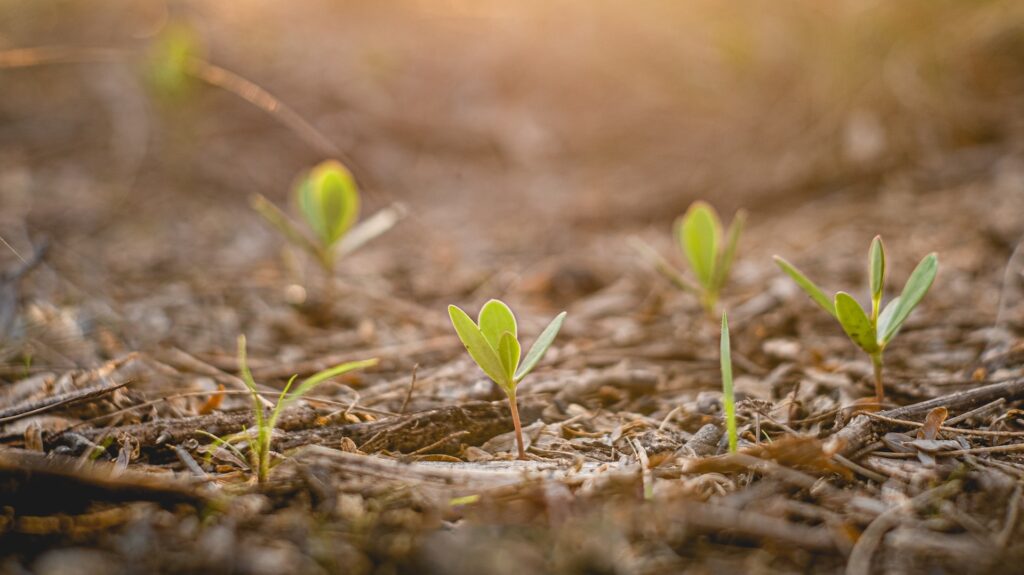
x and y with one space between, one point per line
328 200
728 396
260 447
709 252
492 342
169 60
872 331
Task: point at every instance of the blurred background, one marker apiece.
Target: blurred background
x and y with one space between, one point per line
587 109
133 132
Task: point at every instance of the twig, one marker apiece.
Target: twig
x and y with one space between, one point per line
439 442
1012 511
1012 448
977 432
857 468
869 541
969 414
859 430
408 395
51 403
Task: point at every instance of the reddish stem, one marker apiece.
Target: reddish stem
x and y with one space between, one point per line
519 428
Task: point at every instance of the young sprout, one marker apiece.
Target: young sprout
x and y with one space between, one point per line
265 424
328 200
710 255
329 203
872 333
728 397
492 343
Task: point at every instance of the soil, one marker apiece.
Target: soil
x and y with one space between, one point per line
135 262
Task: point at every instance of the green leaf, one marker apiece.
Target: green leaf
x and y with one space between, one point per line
496 319
544 341
508 353
877 258
808 286
728 255
728 396
316 379
476 344
885 318
855 322
700 233
329 201
914 290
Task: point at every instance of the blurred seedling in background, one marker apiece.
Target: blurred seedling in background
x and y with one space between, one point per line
328 201
709 252
169 60
259 446
728 395
872 332
492 342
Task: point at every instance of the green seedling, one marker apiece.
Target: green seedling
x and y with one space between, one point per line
709 252
872 332
728 396
259 446
492 342
173 51
328 201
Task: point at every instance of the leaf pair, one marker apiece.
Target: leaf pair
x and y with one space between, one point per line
699 233
492 342
329 201
873 332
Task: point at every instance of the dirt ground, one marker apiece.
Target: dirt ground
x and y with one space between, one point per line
530 146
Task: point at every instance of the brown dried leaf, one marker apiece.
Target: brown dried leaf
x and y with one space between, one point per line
932 423
804 453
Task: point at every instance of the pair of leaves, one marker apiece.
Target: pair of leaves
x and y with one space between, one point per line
492 342
872 333
699 232
329 201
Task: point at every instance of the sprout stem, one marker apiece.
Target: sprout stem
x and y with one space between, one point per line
518 426
876 362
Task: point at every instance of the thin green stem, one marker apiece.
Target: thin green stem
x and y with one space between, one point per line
518 426
876 362
728 395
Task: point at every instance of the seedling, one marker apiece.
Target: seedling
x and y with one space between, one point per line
328 200
872 333
260 446
728 396
700 236
492 342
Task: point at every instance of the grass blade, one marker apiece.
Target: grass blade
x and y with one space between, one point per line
728 395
